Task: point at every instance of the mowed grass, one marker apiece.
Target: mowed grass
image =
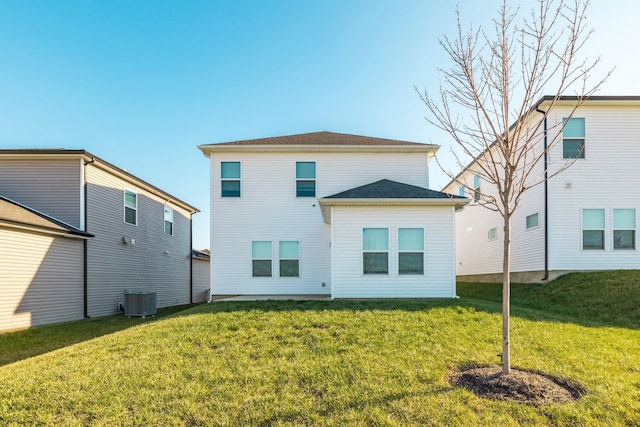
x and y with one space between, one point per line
322 363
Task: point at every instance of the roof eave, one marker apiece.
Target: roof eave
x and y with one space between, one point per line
209 149
48 230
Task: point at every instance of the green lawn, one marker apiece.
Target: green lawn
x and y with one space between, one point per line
320 363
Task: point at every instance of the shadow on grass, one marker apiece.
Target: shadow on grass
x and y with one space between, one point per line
20 345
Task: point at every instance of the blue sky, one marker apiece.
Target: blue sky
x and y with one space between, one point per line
142 83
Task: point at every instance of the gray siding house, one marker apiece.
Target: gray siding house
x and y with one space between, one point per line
126 234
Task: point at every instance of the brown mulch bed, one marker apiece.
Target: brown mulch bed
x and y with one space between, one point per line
523 386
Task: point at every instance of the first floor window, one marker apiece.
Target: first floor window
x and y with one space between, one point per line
230 179
492 234
168 221
375 251
532 221
410 251
261 252
624 229
592 229
289 259
130 207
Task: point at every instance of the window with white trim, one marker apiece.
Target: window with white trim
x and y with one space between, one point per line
532 221
411 251
305 179
624 229
593 229
168 220
573 135
289 253
130 207
230 179
261 256
375 251
476 187
461 191
492 234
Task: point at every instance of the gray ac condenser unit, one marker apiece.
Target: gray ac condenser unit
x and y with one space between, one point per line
139 303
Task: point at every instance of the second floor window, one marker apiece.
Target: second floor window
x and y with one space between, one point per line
130 207
573 134
230 179
532 221
305 179
168 221
476 187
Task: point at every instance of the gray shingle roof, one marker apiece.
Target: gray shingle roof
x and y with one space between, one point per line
320 138
387 189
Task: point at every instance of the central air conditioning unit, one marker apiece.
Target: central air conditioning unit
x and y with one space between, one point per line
139 303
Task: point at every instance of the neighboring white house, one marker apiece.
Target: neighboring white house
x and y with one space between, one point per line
201 275
326 213
583 219
77 231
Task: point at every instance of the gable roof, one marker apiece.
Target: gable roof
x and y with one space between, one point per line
61 153
389 193
16 215
318 142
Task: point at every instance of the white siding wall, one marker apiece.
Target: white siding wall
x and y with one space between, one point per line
114 266
269 210
41 279
201 280
49 186
476 254
439 277
606 178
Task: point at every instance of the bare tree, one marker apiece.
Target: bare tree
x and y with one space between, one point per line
496 79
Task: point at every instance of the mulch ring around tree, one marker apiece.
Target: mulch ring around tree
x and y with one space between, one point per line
522 386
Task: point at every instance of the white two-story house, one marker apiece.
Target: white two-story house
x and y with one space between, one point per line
582 219
329 214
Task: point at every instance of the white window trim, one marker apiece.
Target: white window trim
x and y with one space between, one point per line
535 226
315 180
398 251
164 220
604 230
388 251
231 179
124 206
613 230
291 259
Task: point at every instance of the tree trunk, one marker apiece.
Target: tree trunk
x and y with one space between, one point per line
506 296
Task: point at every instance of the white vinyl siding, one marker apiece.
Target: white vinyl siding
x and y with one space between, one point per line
201 280
41 279
268 211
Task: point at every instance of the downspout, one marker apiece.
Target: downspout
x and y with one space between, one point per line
546 198
86 244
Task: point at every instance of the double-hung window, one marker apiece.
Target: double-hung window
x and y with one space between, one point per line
130 207
261 253
375 251
573 134
230 179
168 221
492 234
624 229
476 187
305 179
410 251
593 229
289 253
461 191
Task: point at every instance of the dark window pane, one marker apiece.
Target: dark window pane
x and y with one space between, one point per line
375 263
411 263
130 216
573 149
289 268
624 239
592 239
305 189
261 268
230 188
168 228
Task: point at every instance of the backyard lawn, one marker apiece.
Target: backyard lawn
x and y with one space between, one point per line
329 362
